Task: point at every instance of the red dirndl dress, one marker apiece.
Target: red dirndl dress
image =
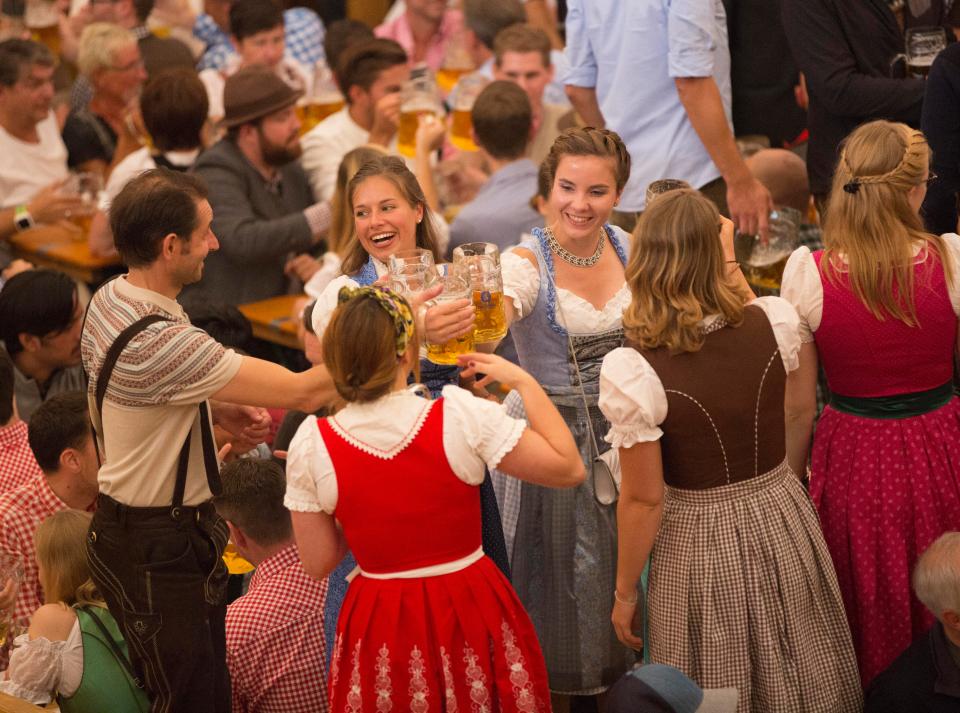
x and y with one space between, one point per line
885 488
430 623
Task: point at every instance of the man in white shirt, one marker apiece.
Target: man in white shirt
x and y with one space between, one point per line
34 157
370 75
662 81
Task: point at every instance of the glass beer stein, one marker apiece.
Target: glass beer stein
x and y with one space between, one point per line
461 127
456 63
411 271
482 264
323 99
456 286
88 187
763 262
663 185
417 98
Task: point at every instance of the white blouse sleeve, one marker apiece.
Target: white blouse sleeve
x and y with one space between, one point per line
329 270
476 432
953 250
327 303
311 479
802 288
632 398
442 231
35 669
786 328
521 282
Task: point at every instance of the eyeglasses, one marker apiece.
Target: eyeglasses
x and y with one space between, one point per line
135 64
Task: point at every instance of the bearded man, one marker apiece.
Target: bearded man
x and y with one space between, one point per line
263 207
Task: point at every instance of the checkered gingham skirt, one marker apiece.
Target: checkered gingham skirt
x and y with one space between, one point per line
743 594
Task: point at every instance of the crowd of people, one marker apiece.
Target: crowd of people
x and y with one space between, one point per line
662 484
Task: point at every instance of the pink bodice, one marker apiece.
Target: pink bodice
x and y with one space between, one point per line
863 356
408 512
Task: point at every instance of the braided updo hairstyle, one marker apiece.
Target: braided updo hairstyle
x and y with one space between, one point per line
588 141
872 230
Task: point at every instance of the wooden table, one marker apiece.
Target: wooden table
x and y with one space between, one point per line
10 704
58 247
272 321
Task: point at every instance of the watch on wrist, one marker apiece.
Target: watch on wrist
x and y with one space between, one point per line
22 218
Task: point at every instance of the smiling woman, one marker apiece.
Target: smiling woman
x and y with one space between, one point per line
566 293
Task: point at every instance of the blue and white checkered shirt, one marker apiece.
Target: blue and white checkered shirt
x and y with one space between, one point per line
303 35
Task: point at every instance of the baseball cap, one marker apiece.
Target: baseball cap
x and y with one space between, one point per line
656 688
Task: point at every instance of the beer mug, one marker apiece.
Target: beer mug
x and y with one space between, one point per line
461 128
323 99
763 262
921 47
411 271
88 187
417 98
481 261
456 63
662 185
456 286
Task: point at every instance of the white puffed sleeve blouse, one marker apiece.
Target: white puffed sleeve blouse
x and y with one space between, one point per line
476 432
632 396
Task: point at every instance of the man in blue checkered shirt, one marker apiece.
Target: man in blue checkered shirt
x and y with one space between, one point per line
303 34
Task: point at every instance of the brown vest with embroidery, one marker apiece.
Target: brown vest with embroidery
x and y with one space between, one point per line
725 420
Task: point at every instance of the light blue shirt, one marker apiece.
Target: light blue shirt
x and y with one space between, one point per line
631 51
501 212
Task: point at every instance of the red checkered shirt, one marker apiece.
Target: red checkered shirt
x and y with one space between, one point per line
21 512
275 647
17 464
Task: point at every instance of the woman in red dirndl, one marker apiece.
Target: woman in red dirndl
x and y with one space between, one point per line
429 623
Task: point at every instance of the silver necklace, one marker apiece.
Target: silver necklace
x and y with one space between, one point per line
568 256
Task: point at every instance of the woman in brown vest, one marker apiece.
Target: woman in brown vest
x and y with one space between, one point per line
742 591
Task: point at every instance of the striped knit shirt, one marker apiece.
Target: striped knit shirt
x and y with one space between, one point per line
151 401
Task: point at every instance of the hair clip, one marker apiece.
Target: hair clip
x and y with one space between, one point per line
852 186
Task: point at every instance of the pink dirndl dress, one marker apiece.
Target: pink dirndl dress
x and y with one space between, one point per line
886 488
430 623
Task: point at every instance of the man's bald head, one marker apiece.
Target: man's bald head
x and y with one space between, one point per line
784 174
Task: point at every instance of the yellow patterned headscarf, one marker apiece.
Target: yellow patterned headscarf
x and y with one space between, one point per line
393 304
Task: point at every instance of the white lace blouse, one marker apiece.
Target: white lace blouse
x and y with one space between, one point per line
475 432
632 396
801 285
521 283
40 667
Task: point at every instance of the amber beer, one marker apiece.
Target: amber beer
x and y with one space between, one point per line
461 131
490 322
407 131
316 110
766 271
448 353
919 66
447 77
83 222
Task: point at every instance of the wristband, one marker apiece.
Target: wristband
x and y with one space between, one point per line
624 600
22 218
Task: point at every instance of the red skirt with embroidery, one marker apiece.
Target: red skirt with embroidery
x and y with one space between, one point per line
454 642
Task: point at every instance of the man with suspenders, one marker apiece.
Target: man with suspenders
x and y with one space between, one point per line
156 386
